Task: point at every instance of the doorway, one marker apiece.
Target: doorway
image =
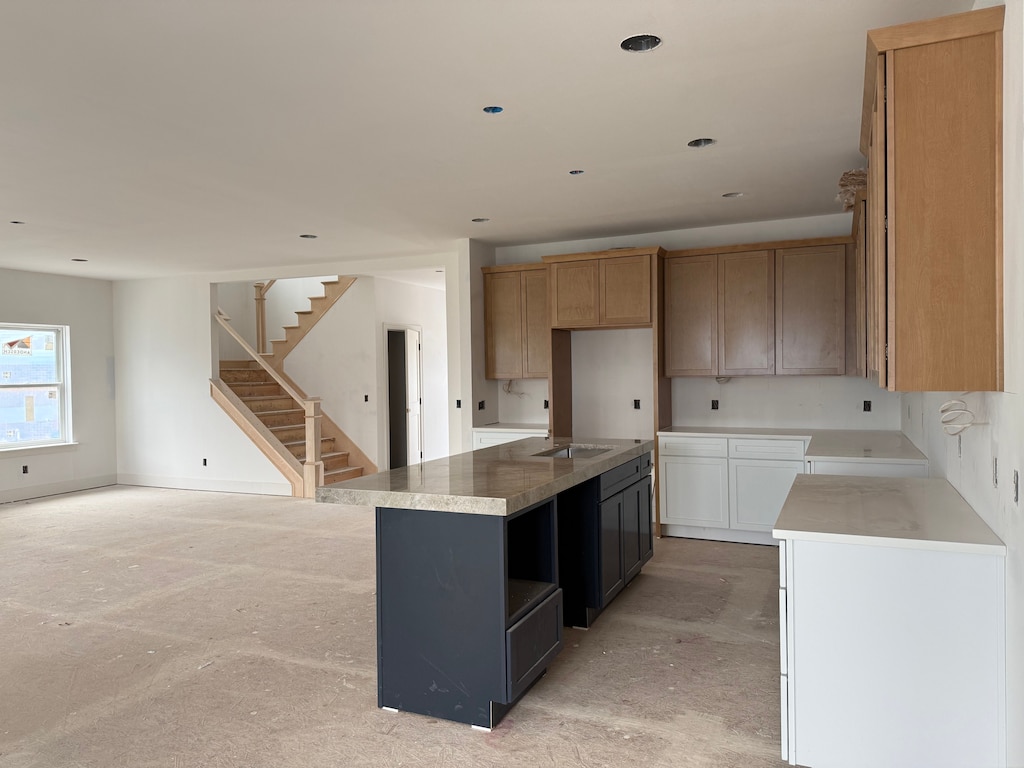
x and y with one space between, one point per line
405 397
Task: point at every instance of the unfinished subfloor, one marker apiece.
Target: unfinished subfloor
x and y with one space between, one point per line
150 627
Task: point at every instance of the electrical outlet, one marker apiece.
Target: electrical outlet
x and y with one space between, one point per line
546 406
636 405
867 406
366 398
24 469
204 462
480 405
458 403
714 405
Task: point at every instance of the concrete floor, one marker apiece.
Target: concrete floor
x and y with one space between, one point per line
149 627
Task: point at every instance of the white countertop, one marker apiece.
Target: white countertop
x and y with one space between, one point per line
904 512
499 480
825 444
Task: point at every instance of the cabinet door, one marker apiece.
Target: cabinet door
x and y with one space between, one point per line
757 491
696 491
631 532
625 290
536 326
746 313
877 236
612 572
810 310
945 262
503 326
574 294
857 349
691 316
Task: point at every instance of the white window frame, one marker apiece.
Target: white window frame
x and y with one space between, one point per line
62 345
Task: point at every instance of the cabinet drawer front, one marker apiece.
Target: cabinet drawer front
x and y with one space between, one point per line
531 644
870 468
766 449
717 447
620 477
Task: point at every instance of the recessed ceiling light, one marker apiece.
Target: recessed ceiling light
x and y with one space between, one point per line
733 194
701 143
479 221
640 43
308 237
79 259
575 172
494 110
17 222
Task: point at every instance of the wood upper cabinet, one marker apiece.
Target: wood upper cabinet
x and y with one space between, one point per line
601 290
746 313
810 310
625 290
691 316
931 129
720 314
574 294
516 329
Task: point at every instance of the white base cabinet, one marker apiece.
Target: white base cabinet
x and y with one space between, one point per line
484 437
725 489
891 656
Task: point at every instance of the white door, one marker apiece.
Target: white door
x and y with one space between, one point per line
696 491
414 394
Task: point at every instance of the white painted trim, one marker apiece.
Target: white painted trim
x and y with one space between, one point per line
54 489
196 484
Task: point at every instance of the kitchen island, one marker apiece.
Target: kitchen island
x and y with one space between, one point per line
482 557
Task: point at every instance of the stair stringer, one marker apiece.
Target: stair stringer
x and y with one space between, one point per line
259 434
307 319
328 428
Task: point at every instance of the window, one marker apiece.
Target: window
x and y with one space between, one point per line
35 404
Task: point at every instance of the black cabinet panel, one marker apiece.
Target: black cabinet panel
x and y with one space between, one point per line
612 573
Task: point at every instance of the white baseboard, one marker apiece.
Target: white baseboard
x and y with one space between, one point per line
53 489
195 484
718 534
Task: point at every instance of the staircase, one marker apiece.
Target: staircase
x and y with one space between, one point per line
284 417
306 319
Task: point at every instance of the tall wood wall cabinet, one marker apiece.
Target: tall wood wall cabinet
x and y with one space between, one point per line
516 327
932 131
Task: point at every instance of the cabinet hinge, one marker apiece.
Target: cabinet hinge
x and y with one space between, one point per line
887 351
885 223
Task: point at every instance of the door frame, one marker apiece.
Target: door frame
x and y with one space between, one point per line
385 388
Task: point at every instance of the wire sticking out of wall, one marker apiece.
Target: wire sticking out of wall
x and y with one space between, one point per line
955 416
509 389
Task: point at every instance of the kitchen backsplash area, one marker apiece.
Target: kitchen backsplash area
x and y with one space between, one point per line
824 402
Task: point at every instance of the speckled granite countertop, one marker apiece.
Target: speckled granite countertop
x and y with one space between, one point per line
499 480
825 444
905 512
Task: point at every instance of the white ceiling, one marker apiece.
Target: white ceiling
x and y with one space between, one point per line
154 137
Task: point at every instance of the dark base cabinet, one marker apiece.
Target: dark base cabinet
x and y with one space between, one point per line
605 537
469 613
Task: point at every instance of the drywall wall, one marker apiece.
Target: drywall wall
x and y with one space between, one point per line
998 432
522 402
606 379
167 423
337 362
85 306
822 402
402 304
832 225
484 403
235 299
286 297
